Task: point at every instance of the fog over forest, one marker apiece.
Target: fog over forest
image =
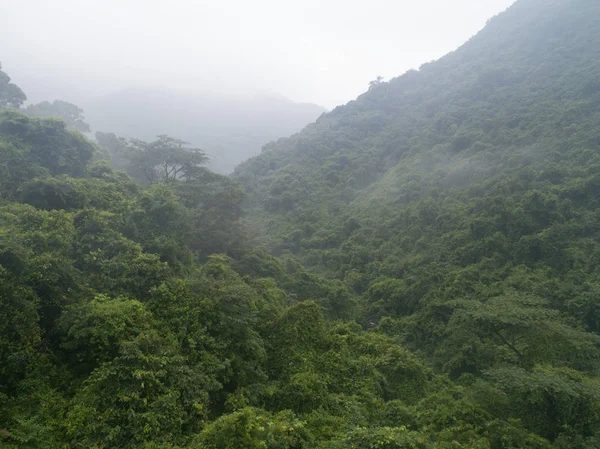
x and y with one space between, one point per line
142 67
300 225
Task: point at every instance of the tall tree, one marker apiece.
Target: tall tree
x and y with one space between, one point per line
166 160
10 93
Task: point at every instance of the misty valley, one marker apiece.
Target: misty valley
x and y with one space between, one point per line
415 269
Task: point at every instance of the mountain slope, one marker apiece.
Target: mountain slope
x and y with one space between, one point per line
474 179
229 128
460 203
521 93
121 328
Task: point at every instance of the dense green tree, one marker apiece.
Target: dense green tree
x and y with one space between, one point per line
46 144
20 334
10 93
549 401
254 429
418 269
70 113
517 330
147 393
94 330
166 160
384 438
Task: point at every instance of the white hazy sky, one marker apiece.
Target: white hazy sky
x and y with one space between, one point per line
321 51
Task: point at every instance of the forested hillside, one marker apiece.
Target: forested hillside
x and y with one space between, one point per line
416 270
460 202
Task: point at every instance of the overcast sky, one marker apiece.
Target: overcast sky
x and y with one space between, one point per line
321 51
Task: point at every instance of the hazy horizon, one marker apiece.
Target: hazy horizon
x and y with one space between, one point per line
309 52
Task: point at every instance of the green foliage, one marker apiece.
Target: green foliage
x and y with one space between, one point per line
215 202
105 192
431 280
254 429
43 143
36 247
382 438
94 330
549 400
20 334
10 93
70 113
459 204
517 330
146 393
166 160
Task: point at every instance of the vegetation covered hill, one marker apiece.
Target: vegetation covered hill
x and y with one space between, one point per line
479 165
136 315
449 221
460 201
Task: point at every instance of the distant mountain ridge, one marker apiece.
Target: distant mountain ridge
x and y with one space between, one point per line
230 128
